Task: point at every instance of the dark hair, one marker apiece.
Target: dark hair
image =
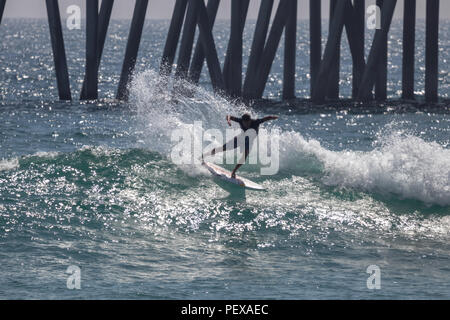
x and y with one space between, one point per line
246 117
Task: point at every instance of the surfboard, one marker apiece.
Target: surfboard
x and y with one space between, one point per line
225 175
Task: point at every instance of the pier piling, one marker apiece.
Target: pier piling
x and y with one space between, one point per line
334 38
131 51
259 40
232 68
59 52
209 48
376 51
333 77
270 49
196 66
173 35
381 77
355 28
103 23
187 39
409 25
91 49
315 40
431 50
290 42
2 8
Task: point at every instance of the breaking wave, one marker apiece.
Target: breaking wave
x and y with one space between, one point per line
402 165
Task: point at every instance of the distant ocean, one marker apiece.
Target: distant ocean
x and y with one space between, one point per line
92 185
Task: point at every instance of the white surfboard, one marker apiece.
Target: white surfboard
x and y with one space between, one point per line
225 175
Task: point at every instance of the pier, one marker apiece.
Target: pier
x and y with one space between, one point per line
191 17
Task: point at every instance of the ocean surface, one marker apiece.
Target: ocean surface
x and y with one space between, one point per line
92 185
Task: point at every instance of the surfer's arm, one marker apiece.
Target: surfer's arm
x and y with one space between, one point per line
268 118
231 118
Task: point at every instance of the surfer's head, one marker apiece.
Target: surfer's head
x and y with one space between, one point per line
246 120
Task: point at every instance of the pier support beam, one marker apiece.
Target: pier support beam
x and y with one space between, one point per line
131 51
356 22
259 39
409 26
197 14
315 42
195 68
91 49
431 50
334 38
333 78
173 36
187 39
290 41
59 52
103 23
2 8
381 77
232 69
370 71
271 47
209 48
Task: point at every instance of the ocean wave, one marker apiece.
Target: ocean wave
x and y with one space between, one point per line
403 165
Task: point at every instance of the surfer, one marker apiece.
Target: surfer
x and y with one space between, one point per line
246 123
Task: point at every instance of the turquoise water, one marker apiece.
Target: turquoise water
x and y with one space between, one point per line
93 185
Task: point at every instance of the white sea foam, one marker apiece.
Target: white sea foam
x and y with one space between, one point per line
164 105
45 154
162 109
9 164
12 163
404 165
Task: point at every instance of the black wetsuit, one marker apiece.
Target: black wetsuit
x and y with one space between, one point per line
254 124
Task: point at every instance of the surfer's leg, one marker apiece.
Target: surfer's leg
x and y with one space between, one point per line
247 147
230 145
241 162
